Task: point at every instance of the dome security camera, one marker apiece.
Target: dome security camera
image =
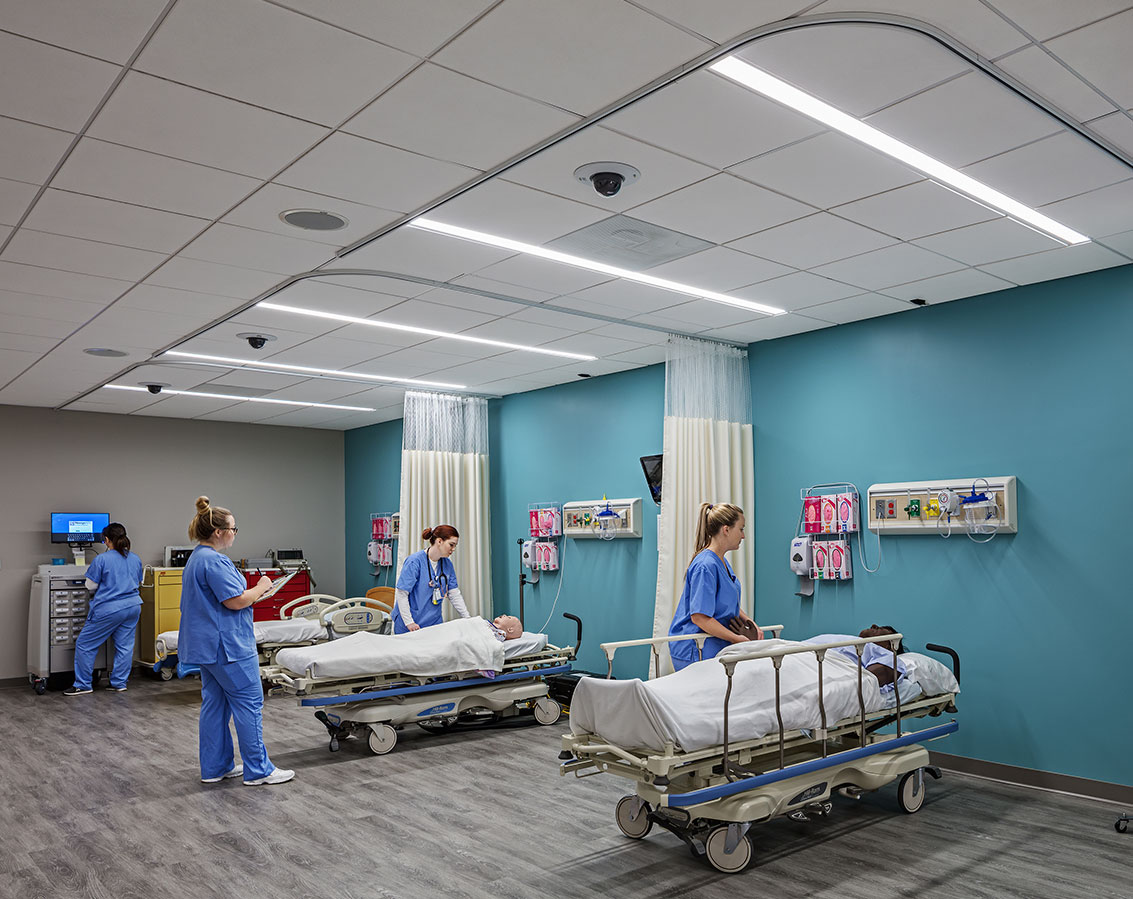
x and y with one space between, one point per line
607 178
256 340
607 183
154 387
257 343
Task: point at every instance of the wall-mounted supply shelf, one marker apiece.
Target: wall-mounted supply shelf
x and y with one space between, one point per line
581 518
921 507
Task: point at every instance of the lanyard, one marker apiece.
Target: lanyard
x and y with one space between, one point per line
439 583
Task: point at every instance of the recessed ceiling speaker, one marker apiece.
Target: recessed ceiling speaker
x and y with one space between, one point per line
313 220
104 352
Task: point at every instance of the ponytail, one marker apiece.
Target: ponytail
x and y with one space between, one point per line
116 534
208 520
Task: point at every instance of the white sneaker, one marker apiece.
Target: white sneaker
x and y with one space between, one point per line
235 772
277 776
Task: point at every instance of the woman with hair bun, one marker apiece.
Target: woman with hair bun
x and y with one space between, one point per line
216 634
113 577
427 579
710 601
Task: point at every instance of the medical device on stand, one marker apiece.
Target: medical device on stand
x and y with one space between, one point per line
980 507
57 610
822 547
379 551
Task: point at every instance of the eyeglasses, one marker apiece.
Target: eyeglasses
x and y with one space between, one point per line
234 530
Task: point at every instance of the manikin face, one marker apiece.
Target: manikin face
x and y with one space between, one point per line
510 625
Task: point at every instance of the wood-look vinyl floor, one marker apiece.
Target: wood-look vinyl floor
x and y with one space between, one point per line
102 799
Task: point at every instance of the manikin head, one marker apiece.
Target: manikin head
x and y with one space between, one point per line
510 625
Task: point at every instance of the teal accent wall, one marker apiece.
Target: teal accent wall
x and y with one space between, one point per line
1031 382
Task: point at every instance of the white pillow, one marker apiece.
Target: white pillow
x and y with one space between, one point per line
524 645
933 676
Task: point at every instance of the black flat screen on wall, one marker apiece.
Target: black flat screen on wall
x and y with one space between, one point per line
651 465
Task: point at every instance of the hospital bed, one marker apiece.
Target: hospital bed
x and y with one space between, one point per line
426 677
303 621
766 729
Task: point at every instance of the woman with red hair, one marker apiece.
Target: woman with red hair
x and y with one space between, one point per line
427 579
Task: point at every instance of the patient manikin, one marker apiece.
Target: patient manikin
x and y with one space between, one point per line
507 627
876 658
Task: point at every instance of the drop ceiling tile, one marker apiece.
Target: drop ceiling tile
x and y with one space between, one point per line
30 151
768 328
420 314
1045 20
262 211
524 333
971 22
1098 53
953 286
173 120
178 377
185 407
1097 213
138 327
251 381
1051 169
4 232
915 211
965 120
249 413
271 57
647 355
991 241
319 390
317 293
15 197
552 277
565 321
721 209
208 277
712 120
83 256
201 306
113 402
133 176
446 115
698 315
488 305
826 170
481 371
814 240
383 340
1118 128
307 418
544 38
591 344
259 250
1060 263
367 172
889 266
391 286
722 20
40 385
33 325
1122 243
49 86
1047 77
378 397
332 352
632 332
516 212
107 29
290 328
597 368
720 268
414 362
552 169
46 307
858 68
622 299
411 251
30 279
29 343
414 27
799 289
867 305
107 221
500 288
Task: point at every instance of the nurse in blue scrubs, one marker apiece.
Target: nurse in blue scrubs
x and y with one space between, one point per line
113 577
216 634
428 580
710 599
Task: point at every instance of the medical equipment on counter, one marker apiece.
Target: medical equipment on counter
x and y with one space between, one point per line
981 507
177 556
606 519
57 609
288 559
379 704
710 797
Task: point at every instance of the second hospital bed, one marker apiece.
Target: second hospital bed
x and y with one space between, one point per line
764 729
439 678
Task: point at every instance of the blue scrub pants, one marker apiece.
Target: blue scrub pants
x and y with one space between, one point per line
122 624
712 647
233 691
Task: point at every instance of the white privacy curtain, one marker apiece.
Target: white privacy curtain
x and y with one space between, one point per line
444 480
708 457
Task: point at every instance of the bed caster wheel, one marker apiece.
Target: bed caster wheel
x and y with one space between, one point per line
167 674
632 816
40 687
716 850
910 792
334 744
547 711
382 739
1121 825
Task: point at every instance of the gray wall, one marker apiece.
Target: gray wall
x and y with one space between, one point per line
285 486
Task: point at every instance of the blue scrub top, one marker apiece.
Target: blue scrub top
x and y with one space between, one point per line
117 577
712 589
417 580
211 632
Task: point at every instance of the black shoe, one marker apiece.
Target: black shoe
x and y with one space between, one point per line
77 691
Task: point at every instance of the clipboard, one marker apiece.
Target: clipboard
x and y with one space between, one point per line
277 585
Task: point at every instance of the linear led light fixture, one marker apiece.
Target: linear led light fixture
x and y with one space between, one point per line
243 399
467 338
494 240
770 86
306 369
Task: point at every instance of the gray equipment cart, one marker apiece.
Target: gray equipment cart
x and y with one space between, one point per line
57 610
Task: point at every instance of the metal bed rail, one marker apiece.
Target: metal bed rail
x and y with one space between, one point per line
653 642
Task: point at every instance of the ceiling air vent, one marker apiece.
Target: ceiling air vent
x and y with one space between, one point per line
628 243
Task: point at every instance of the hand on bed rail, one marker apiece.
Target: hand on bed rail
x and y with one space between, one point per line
746 628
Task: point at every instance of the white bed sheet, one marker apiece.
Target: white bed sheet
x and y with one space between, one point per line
525 645
290 630
464 644
687 707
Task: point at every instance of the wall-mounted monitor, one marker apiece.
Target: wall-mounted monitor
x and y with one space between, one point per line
651 465
78 527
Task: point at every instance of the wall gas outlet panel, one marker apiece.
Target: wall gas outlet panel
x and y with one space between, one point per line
917 507
580 518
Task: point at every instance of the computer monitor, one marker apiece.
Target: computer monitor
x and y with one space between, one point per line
78 527
651 465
